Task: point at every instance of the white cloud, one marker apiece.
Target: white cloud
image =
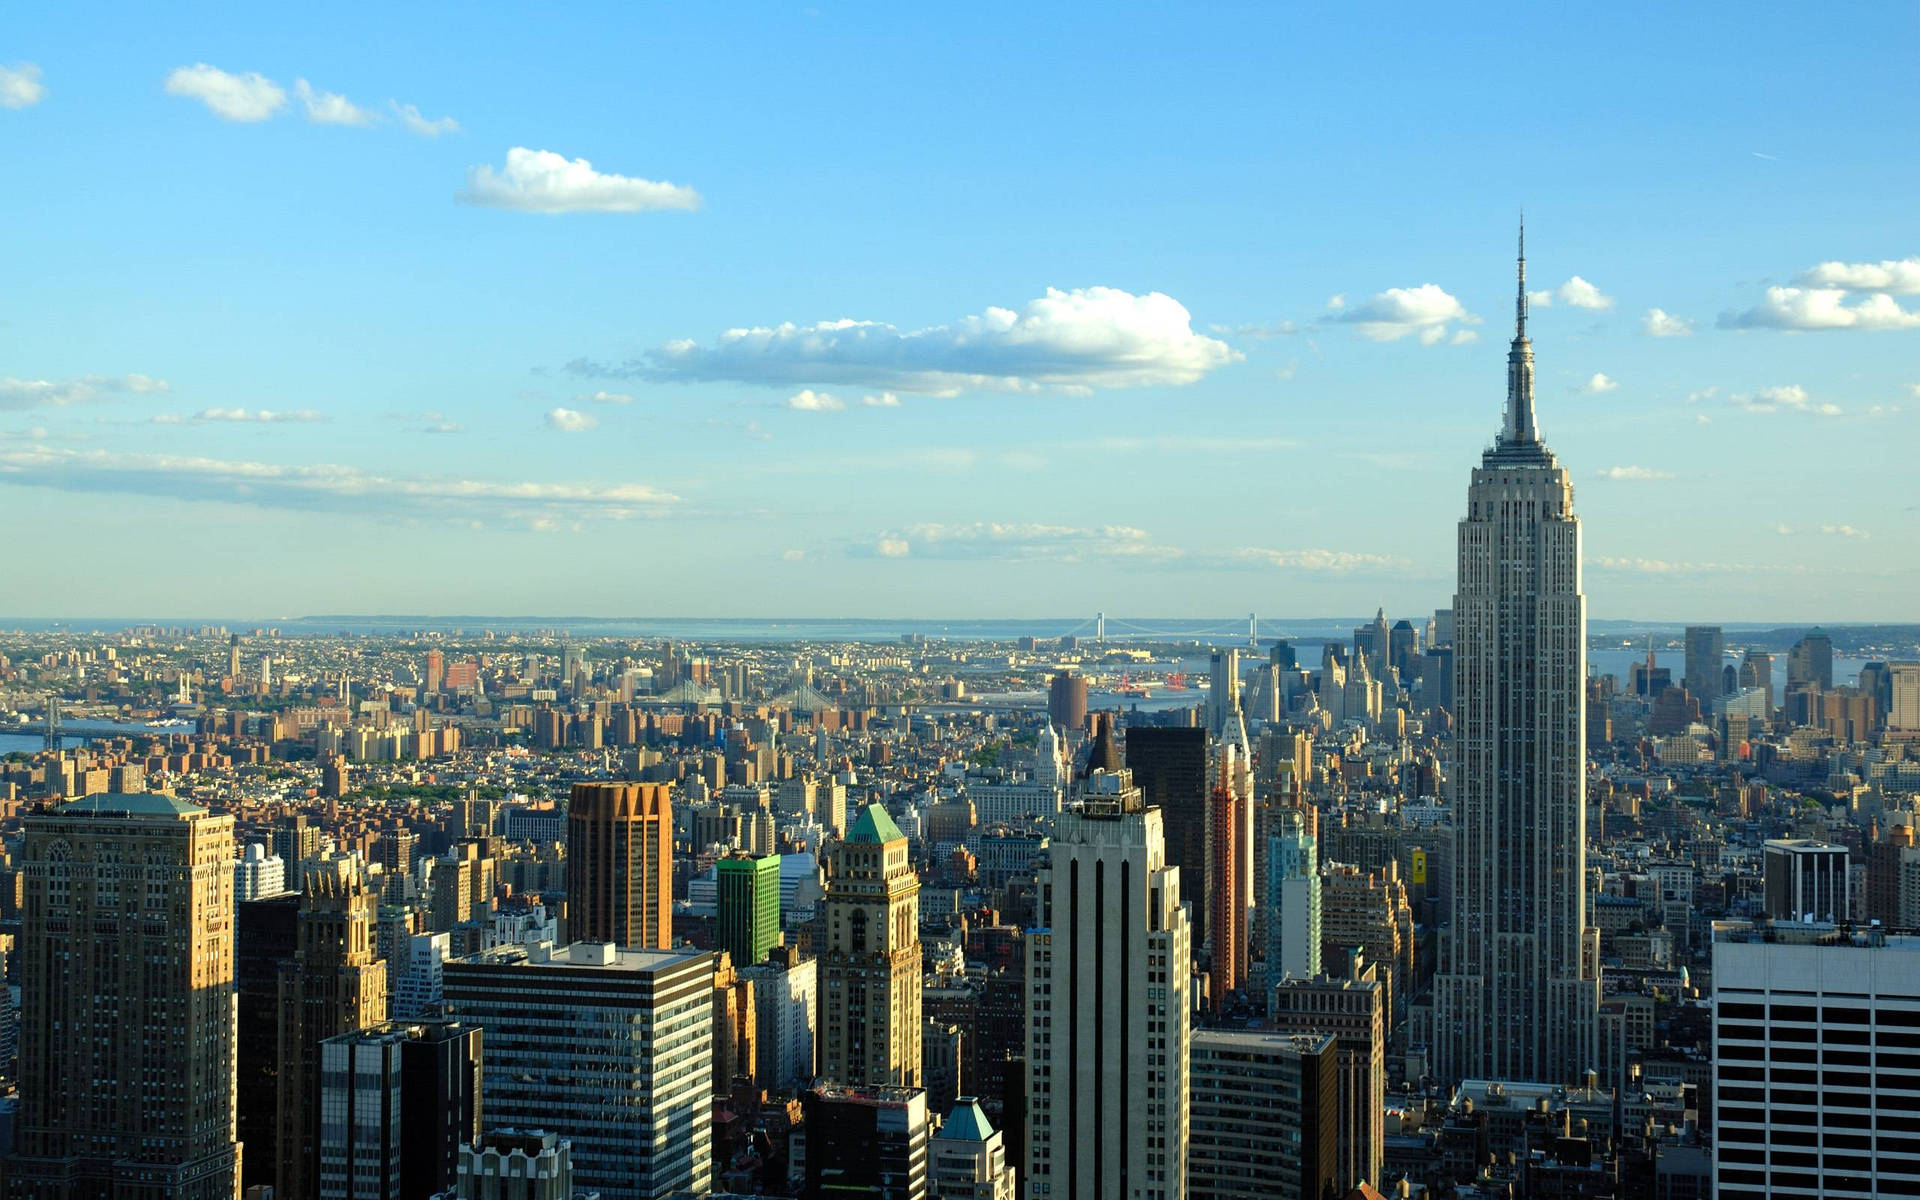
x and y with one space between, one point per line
1839 531
793 556
1659 566
1633 474
1071 340
1660 323
545 182
323 487
249 97
1822 308
1024 541
1581 294
1261 332
20 86
444 427
883 400
1314 559
1790 398
1900 276
570 420
1463 337
808 400
1598 384
1427 312
330 108
1540 299
260 415
49 393
424 126
604 397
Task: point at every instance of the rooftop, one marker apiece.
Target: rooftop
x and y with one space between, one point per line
967 1122
874 825
129 804
598 956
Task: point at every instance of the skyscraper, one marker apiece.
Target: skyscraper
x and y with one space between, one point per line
1265 1115
334 985
611 1047
1225 721
1706 647
620 864
870 973
747 906
1293 916
1810 662
1169 765
1226 906
1107 1005
866 1142
397 1101
1067 703
1813 1045
127 1003
1518 993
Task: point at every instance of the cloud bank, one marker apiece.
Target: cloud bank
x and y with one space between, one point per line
323 487
1068 340
49 393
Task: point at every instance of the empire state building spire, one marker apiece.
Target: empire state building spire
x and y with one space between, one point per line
1521 427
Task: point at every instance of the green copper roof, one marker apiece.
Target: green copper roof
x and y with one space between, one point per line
133 804
875 825
967 1122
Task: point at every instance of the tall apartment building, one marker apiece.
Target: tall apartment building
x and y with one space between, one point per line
1263 1119
1352 1010
870 971
126 958
620 864
397 1102
1816 1031
610 1046
865 1142
1227 911
334 985
747 906
1518 992
1294 917
1108 985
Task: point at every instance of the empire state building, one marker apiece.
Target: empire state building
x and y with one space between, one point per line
1518 992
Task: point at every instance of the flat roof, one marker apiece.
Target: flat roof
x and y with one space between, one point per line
585 956
128 804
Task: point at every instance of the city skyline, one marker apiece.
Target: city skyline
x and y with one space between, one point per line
363 303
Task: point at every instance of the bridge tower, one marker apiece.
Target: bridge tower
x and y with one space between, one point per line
1100 627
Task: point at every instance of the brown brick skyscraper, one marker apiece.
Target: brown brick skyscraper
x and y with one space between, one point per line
620 864
127 1003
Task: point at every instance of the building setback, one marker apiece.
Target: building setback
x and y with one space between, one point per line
1518 991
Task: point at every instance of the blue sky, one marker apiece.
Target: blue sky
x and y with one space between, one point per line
1179 312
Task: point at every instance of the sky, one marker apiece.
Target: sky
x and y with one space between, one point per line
947 311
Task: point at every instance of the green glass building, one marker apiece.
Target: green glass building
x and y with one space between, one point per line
748 902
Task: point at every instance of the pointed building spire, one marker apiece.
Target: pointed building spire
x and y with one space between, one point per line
1520 428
